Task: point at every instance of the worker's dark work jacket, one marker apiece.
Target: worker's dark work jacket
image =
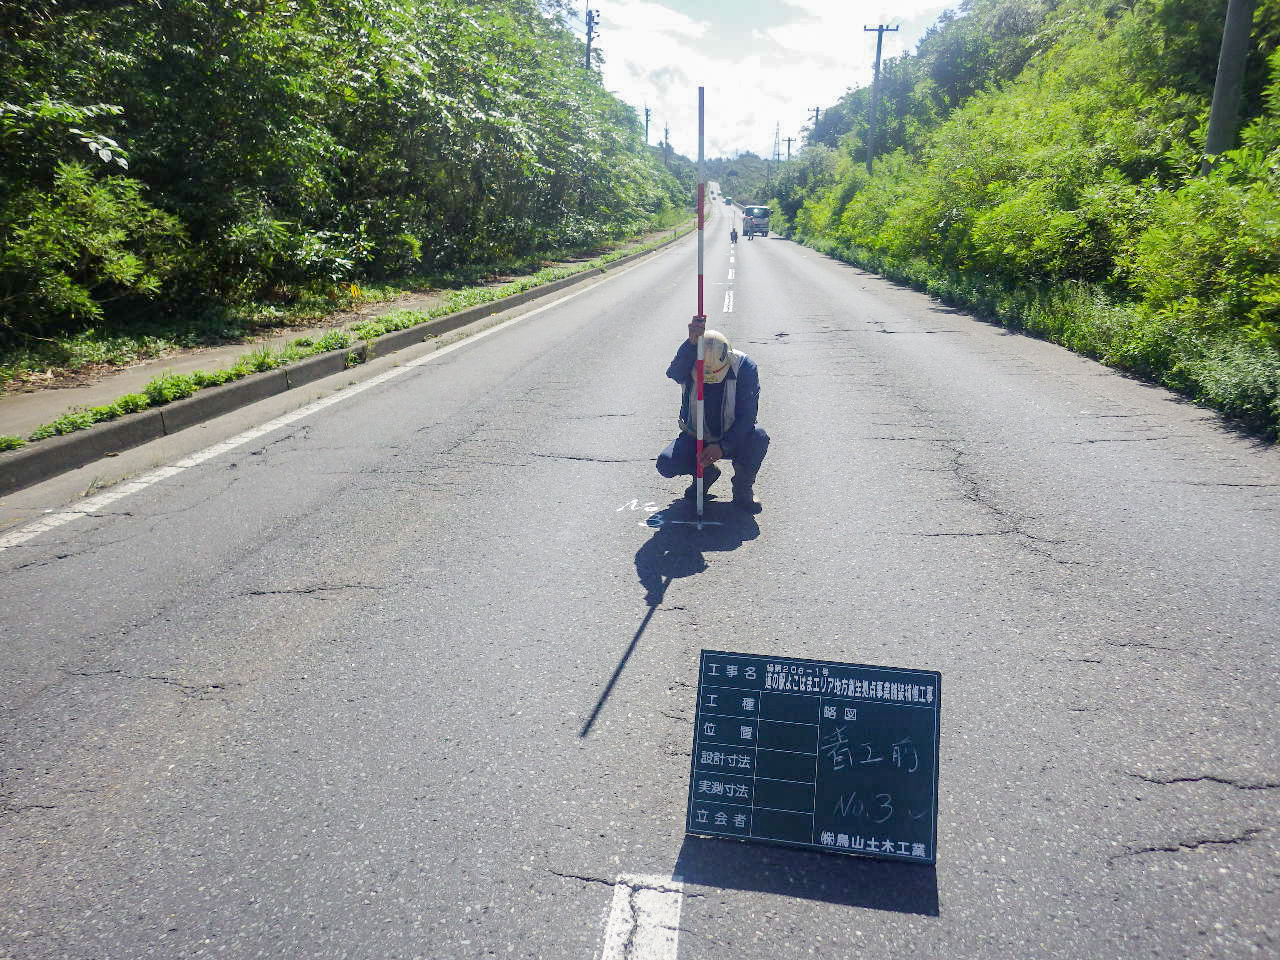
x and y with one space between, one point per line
729 427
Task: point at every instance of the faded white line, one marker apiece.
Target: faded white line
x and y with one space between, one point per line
731 273
728 301
95 504
644 919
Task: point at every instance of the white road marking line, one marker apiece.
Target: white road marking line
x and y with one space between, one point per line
728 301
731 259
94 504
644 919
731 273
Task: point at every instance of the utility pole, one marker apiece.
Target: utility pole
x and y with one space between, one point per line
880 30
816 113
1224 115
666 144
790 140
592 19
774 158
646 125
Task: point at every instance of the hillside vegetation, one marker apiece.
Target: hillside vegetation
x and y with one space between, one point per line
160 158
1040 161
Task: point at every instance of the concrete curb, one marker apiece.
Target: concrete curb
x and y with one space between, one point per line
44 459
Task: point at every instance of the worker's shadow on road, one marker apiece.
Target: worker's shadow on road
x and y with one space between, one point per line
809 875
676 550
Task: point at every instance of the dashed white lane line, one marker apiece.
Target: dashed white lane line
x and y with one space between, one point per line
644 919
728 301
731 271
95 504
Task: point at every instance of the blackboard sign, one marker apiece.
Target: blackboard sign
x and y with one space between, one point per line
837 757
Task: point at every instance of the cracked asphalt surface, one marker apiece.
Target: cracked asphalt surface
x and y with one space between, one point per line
414 677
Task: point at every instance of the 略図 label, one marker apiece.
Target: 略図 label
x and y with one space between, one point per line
837 757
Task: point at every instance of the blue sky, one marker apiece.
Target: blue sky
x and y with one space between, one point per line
763 62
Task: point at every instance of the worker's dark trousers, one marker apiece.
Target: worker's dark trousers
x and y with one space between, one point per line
678 459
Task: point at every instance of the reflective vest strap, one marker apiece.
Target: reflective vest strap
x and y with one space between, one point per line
729 405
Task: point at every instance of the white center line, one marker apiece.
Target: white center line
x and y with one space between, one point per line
644 919
731 273
728 301
731 259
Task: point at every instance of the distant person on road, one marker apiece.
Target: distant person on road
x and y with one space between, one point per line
731 394
733 234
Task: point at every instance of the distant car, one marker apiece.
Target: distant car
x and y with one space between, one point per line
728 200
755 220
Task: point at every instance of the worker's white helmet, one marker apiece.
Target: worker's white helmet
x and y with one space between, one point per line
719 351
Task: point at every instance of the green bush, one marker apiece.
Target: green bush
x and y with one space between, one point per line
210 378
67 250
133 403
1209 262
169 387
333 340
8 442
388 323
69 422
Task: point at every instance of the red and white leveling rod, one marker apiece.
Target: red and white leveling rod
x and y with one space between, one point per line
701 317
699 415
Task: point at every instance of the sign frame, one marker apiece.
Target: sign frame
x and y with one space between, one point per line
890 698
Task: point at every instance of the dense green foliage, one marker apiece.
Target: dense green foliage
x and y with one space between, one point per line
1041 161
155 154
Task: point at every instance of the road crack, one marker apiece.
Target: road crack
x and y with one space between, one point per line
9 809
1140 645
311 591
197 690
1194 843
565 456
585 878
1208 778
1118 440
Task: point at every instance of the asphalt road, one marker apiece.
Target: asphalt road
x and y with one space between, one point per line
412 676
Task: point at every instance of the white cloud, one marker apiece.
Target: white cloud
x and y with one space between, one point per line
652 19
755 77
837 32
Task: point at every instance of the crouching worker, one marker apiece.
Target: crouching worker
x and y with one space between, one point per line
731 395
